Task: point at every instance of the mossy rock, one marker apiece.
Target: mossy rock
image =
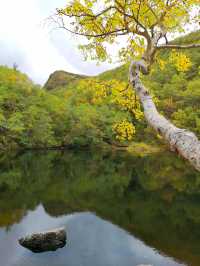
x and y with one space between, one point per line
44 241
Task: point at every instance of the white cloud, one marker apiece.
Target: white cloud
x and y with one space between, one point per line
37 51
23 40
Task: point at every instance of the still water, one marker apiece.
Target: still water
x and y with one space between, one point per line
118 210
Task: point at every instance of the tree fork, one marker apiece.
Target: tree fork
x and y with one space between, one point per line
180 140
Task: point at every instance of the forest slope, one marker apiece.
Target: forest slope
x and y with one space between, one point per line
97 110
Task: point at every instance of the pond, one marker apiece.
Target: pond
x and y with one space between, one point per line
118 209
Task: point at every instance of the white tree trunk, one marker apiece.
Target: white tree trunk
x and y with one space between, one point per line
181 141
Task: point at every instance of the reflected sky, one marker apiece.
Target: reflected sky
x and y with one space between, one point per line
90 241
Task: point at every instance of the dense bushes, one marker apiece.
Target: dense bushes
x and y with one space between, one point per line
85 114
26 112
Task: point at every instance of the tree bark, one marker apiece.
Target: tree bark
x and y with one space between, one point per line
181 141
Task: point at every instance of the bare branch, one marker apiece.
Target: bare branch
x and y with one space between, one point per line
178 46
59 21
117 32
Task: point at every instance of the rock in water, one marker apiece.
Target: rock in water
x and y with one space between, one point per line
44 241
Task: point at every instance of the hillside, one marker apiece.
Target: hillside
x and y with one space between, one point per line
76 110
60 79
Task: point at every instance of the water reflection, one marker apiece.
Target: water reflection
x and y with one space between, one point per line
154 198
91 241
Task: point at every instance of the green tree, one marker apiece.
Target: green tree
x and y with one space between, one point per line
145 24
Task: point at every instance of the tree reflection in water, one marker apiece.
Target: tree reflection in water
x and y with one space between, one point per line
155 198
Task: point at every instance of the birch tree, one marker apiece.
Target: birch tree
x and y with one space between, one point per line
144 26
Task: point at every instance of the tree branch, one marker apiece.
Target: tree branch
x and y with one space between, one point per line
180 140
61 12
61 25
111 33
132 16
178 46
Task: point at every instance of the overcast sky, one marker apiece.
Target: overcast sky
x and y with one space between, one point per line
37 50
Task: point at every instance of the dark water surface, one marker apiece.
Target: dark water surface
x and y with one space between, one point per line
118 210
